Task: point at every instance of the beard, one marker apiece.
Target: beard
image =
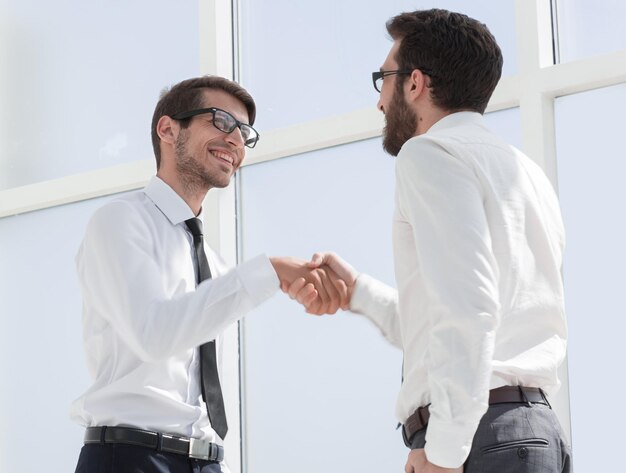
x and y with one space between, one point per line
193 175
400 123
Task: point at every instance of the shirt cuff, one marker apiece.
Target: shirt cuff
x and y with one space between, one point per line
447 446
258 278
379 303
368 294
371 297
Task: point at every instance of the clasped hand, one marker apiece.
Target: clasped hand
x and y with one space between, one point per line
322 285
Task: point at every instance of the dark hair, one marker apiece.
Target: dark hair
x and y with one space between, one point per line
460 52
188 95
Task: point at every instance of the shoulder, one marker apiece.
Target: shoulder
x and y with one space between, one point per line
426 154
118 215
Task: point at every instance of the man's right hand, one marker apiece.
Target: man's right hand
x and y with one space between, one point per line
418 463
319 288
341 274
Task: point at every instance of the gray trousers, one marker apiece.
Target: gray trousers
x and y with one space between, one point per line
516 438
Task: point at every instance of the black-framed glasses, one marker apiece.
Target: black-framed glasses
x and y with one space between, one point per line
224 122
379 76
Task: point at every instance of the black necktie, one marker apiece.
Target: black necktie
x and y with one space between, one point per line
210 381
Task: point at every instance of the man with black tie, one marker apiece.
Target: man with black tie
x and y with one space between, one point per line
156 297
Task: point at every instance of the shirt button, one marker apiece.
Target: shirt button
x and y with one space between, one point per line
522 452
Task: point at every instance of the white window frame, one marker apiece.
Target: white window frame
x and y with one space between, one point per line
533 89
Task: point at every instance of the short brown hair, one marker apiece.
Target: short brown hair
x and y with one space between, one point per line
460 52
187 95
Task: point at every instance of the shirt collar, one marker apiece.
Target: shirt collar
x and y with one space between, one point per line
457 118
168 201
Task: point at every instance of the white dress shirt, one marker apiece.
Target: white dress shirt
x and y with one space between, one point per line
144 317
478 242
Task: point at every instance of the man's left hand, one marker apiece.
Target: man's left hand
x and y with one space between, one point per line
418 463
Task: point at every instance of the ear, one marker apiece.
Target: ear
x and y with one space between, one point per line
167 129
415 85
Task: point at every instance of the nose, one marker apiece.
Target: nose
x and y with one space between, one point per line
235 138
379 105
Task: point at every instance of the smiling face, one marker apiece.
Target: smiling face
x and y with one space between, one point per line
206 157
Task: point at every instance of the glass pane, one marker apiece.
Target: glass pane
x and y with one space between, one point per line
79 81
320 384
309 60
590 170
590 28
507 124
323 384
41 353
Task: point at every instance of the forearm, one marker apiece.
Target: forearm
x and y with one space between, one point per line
379 303
158 325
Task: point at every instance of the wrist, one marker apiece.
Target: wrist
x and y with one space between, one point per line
278 263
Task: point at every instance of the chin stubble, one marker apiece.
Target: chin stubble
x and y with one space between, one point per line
193 176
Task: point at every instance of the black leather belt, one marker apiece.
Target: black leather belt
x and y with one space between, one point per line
503 395
193 448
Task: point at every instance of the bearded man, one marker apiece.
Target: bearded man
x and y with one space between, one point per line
478 244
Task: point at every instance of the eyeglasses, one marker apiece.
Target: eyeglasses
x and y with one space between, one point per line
224 122
379 76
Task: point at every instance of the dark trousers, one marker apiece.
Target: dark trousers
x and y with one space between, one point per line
515 438
120 458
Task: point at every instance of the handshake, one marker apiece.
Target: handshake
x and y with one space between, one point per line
322 285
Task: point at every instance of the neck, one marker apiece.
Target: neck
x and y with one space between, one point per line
428 118
192 193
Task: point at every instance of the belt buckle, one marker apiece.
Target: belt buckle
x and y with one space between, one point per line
199 448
